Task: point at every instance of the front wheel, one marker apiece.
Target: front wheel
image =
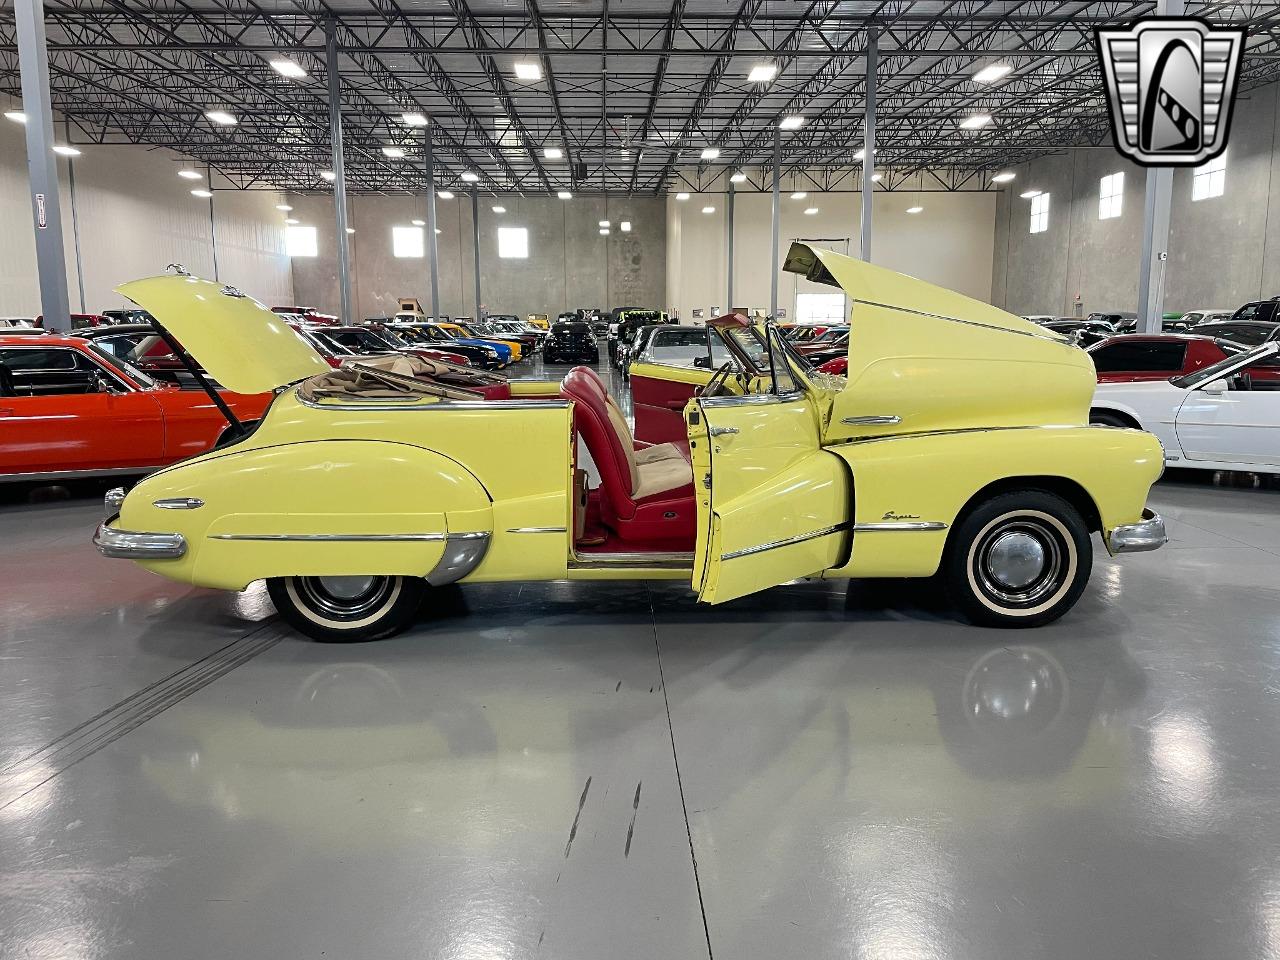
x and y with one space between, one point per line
347 609
1020 559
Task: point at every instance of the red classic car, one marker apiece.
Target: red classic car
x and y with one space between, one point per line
1133 357
70 409
838 365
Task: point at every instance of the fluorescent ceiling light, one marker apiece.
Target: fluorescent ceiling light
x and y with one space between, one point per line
738 177
877 177
625 226
220 116
762 73
499 209
469 177
186 173
1028 194
351 229
418 223
17 116
708 209
65 150
975 122
799 195
414 119
564 194
552 153
283 206
992 72
288 68
810 211
395 153
914 209
710 153
527 70
202 194
328 175
604 231
791 123
291 221
604 223
444 194
682 195
1003 177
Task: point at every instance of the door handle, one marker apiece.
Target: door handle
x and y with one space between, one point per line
871 421
720 431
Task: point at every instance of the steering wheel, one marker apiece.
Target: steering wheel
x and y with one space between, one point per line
716 386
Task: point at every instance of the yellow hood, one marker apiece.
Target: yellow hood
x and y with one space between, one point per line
238 341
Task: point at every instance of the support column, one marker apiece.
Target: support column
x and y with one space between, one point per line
774 265
475 242
213 224
432 246
42 164
1157 202
869 142
75 229
728 246
339 170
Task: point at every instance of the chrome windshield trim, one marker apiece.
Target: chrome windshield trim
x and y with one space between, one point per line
775 544
537 529
369 406
340 537
750 398
899 525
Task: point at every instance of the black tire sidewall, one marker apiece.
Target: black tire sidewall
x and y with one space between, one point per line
1107 419
388 620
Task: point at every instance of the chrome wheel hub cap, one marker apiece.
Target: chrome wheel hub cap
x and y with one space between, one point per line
346 588
1015 559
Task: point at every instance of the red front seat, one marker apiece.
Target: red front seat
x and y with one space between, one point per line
650 500
644 451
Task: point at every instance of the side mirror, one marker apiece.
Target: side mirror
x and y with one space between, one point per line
1215 387
704 362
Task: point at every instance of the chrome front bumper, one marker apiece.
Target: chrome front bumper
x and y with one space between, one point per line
1147 534
130 545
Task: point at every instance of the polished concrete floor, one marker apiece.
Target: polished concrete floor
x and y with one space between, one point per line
609 771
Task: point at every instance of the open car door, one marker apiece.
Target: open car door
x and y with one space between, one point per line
773 506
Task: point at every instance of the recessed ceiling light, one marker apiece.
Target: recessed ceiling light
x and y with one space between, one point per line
762 73
328 175
708 209
288 68
604 231
395 153
220 116
791 123
186 173
66 151
682 196
564 194
604 223
290 221
1028 194
202 194
738 177
914 209
444 194
992 73
283 206
469 177
810 211
499 209
527 70
552 153
799 195
975 122
418 223
414 119
625 226
710 153
351 229
1003 177
17 116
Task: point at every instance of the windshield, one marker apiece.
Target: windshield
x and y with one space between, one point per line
138 377
1216 370
745 339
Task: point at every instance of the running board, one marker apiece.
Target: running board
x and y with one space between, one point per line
629 561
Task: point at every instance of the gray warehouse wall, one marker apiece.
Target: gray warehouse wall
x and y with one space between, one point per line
570 264
1220 254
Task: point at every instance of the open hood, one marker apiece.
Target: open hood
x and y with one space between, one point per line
238 341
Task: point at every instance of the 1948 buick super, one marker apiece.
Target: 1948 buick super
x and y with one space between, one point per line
958 446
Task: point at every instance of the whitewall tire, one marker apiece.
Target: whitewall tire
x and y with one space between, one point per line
347 609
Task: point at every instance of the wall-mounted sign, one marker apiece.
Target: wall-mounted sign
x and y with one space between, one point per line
715 311
42 221
697 313
782 312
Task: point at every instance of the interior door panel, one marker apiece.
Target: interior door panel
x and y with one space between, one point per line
658 395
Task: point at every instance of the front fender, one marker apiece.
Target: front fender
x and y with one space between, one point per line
320 508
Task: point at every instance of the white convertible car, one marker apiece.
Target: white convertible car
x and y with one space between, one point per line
1221 417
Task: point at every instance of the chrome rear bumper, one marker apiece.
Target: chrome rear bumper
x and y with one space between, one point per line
130 545
1147 534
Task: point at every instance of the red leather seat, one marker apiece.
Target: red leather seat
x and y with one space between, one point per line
645 452
651 500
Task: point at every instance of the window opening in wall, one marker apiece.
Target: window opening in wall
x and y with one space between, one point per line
820 308
300 241
1209 179
1111 196
1040 213
513 243
407 242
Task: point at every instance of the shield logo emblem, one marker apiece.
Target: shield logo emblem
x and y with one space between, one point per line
1171 84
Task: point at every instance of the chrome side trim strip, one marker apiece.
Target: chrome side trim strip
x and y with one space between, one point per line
78 474
537 529
747 399
870 421
179 503
462 554
368 406
957 430
774 545
338 537
631 561
899 525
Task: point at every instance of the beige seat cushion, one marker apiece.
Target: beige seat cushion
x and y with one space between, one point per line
659 451
619 426
663 475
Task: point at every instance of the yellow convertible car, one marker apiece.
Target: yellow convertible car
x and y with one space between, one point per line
958 446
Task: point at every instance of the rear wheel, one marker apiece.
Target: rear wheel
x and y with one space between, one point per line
1106 419
1020 559
347 609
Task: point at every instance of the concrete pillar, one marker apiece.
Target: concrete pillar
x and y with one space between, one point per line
869 142
339 170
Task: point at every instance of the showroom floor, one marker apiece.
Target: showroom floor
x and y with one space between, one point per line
599 770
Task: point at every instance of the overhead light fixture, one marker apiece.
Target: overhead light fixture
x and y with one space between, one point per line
414 119
604 231
1028 194
291 221
288 68
861 153
351 229
17 116
202 194
708 209
65 150
418 223
444 194
625 226
438 230
975 122
992 72
738 177
762 73
682 195
283 206
877 177
710 153
810 211
186 173
552 153
499 209
328 175
564 194
604 223
527 70
791 123
914 209
394 152
469 177
221 117
1003 177
799 195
